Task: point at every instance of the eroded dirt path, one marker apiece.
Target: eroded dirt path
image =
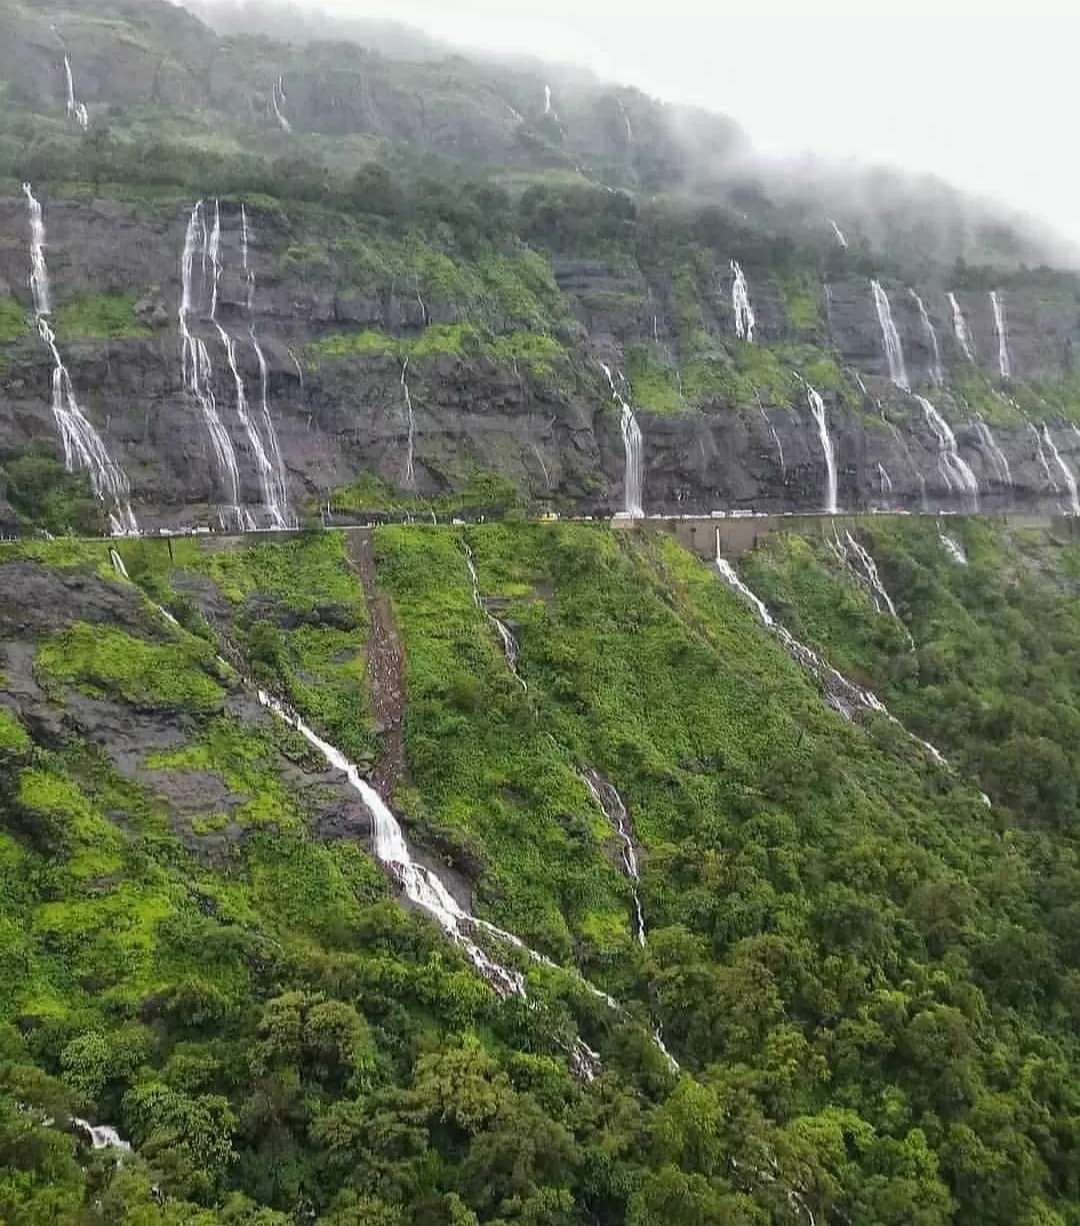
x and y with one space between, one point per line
386 667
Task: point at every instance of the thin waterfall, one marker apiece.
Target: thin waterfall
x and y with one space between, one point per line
83 446
626 119
299 369
543 467
960 329
249 275
954 469
740 304
882 600
1066 472
547 101
856 558
1004 364
775 437
277 102
39 272
894 351
76 110
276 491
839 234
952 547
410 467
937 371
212 239
817 407
509 643
841 694
611 804
997 456
632 446
884 481
269 482
426 890
198 372
1044 463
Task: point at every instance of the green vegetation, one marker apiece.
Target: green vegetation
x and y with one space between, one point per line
540 355
14 321
98 317
44 496
868 977
109 663
653 381
484 493
13 736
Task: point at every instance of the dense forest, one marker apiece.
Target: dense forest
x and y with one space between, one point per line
862 967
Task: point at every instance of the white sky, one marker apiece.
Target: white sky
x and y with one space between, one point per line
985 93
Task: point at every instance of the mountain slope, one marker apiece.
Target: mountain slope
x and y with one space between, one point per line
866 974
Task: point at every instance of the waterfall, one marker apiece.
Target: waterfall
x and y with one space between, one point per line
277 101
118 564
960 329
841 694
299 369
212 246
509 643
1044 463
857 559
76 110
953 548
937 371
547 100
611 804
957 474
425 889
775 437
83 446
249 275
626 119
997 456
198 372
101 1135
1066 472
882 600
740 304
817 407
884 481
839 234
276 489
410 471
269 482
543 467
894 351
1004 365
632 445
39 272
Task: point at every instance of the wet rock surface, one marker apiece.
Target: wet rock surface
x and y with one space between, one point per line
556 438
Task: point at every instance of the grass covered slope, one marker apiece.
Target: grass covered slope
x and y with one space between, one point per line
868 977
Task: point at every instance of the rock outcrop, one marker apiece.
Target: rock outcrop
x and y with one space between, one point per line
340 412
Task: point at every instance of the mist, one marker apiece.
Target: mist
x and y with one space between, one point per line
948 90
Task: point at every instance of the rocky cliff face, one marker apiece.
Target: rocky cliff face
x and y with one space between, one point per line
336 347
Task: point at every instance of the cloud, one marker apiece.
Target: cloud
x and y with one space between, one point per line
980 94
